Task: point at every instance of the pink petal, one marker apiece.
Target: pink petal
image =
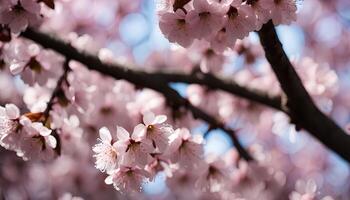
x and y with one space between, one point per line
17 68
139 132
148 118
160 119
105 135
25 121
12 111
51 141
2 112
30 6
122 134
109 180
18 24
43 131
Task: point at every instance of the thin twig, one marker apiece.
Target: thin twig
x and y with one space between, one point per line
57 90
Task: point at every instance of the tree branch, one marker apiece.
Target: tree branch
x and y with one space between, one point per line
58 89
121 72
214 82
137 77
302 110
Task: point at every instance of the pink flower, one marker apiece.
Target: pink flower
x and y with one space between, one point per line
240 20
127 179
222 41
106 152
37 142
262 10
159 163
67 127
19 53
185 149
283 11
212 61
176 28
33 64
135 148
182 183
214 175
9 123
156 131
206 19
20 15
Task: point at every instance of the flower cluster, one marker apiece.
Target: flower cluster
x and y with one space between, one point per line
77 102
220 22
19 14
25 134
153 146
33 64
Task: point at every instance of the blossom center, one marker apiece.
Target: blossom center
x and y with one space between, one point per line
106 110
34 65
204 15
150 127
181 22
18 8
133 144
232 12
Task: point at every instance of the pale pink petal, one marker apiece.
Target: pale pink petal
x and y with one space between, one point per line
139 132
109 180
12 111
17 68
148 118
2 112
122 134
51 141
24 121
105 135
160 119
43 131
120 146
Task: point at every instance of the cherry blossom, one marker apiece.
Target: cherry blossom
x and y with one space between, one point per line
156 131
9 123
240 20
213 177
106 152
31 63
185 149
206 19
262 10
176 28
136 149
127 179
105 99
20 15
37 141
283 11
